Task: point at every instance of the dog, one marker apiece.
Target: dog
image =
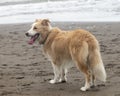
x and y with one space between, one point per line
64 48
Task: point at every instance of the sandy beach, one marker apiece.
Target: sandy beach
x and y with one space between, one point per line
25 70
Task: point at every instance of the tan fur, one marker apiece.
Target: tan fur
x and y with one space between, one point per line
63 47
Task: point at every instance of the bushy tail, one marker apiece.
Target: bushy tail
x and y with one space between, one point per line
96 65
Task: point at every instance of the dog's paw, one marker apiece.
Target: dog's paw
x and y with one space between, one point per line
52 81
62 81
83 89
92 86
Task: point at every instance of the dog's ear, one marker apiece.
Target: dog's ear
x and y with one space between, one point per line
37 20
45 22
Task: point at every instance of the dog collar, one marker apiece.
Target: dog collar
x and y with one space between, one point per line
43 42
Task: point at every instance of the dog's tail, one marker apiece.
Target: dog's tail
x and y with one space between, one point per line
96 64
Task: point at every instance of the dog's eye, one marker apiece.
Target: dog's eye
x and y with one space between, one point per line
35 27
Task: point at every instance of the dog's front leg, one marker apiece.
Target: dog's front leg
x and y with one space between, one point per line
56 70
63 78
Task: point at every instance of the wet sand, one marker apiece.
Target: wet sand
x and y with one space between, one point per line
25 70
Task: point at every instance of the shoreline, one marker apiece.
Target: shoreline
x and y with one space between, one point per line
25 70
78 22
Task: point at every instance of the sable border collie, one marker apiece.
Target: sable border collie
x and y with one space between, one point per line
65 48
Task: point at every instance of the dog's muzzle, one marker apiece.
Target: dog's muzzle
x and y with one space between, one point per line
33 38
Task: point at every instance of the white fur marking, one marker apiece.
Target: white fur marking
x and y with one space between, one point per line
87 86
31 31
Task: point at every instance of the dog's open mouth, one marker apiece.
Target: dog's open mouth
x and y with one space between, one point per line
34 38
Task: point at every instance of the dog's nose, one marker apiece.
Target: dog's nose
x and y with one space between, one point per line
27 34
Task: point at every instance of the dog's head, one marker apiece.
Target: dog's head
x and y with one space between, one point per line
39 31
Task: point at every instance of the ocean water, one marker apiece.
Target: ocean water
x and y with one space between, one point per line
21 11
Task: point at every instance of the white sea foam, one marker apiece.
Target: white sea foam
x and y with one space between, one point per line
62 10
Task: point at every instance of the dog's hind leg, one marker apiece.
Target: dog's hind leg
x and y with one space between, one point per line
84 68
80 55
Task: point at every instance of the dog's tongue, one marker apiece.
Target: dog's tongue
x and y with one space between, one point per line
31 41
